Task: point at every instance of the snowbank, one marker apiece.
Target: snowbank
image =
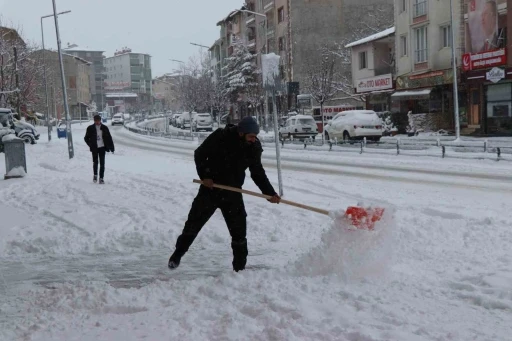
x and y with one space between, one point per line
10 136
17 172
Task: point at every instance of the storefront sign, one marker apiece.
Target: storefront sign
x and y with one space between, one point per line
425 80
484 60
330 110
384 82
495 75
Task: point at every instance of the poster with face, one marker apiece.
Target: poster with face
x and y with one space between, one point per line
483 25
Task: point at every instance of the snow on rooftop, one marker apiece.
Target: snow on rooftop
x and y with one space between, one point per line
121 94
76 48
373 37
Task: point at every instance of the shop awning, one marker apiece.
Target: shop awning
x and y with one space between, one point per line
412 94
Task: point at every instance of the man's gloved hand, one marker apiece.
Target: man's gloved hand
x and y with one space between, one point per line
208 183
276 199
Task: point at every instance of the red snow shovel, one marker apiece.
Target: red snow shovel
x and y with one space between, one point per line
360 217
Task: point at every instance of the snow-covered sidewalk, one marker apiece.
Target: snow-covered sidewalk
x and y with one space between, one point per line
88 262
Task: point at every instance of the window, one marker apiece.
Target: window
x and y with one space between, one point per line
420 8
280 15
363 60
403 5
403 46
281 43
281 71
421 45
446 36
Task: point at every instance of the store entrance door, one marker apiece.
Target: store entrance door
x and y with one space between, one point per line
474 109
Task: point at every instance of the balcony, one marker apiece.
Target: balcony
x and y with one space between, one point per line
267 5
420 8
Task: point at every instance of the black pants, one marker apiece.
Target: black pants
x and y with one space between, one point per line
204 206
99 153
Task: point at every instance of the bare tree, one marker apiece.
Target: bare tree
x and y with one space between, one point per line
322 79
20 74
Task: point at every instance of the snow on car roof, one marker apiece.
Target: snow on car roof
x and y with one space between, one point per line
302 116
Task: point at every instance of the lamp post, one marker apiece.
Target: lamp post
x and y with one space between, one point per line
265 26
63 79
455 85
44 75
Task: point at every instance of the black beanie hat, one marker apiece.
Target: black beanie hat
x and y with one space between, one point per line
248 126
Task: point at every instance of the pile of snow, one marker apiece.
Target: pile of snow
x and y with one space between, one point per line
8 135
350 253
17 172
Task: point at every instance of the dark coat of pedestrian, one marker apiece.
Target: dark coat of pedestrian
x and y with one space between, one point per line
99 140
223 159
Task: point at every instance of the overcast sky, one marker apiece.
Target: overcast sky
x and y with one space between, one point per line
161 28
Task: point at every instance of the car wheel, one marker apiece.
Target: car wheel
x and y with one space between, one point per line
346 137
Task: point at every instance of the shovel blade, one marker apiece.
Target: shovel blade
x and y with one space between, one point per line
364 218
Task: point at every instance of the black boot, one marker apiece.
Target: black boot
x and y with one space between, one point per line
174 261
240 253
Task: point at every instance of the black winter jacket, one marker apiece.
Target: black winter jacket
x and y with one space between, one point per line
224 156
91 138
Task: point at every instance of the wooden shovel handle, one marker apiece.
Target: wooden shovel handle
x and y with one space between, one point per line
283 201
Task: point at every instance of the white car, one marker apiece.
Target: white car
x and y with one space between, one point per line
299 126
355 125
185 120
118 119
202 122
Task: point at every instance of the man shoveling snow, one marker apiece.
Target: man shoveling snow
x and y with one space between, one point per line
222 159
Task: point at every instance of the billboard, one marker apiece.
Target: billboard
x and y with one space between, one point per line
483 25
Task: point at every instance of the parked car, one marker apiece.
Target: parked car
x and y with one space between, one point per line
26 131
202 121
174 119
118 119
186 119
355 125
299 126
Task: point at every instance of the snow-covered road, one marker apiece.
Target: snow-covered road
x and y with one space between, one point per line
87 262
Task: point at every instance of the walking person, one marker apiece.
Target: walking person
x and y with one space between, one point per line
99 140
222 159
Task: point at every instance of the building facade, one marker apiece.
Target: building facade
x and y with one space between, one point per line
373 69
164 93
77 71
487 66
423 47
128 76
97 76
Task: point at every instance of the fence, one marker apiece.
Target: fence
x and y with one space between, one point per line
442 147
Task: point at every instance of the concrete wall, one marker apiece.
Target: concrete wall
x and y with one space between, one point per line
358 73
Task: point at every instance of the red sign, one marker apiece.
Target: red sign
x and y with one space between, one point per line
484 60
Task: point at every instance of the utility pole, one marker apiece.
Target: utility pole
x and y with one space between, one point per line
45 77
64 90
455 80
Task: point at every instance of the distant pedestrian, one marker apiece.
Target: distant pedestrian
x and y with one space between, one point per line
99 140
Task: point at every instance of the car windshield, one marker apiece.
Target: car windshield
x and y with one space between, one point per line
309 121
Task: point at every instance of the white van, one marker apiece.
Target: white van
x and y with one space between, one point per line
299 126
355 125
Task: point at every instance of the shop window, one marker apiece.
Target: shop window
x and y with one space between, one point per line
499 108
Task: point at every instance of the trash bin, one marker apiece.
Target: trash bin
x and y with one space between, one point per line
61 132
15 160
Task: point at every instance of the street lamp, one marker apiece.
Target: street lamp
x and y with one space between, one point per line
63 79
178 61
45 79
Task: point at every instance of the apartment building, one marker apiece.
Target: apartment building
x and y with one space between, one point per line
77 71
487 66
373 68
164 92
424 81
97 76
128 80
